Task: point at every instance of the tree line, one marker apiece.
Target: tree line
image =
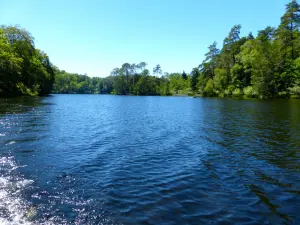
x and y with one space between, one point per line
129 79
265 66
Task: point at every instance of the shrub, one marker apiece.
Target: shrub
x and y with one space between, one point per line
229 90
283 94
209 88
294 91
27 91
237 93
249 92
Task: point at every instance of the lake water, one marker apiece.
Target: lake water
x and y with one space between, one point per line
101 159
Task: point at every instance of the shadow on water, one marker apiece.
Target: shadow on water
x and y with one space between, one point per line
267 202
277 134
255 143
23 119
21 104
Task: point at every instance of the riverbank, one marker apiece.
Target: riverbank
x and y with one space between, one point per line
245 97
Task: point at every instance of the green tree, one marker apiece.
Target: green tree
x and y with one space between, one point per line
266 34
157 70
231 47
209 88
30 72
194 79
250 36
288 29
146 86
184 75
120 85
260 59
142 66
220 79
210 62
10 67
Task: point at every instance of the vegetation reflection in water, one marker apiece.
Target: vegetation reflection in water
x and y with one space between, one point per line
75 159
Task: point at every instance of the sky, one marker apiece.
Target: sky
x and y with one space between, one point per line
95 36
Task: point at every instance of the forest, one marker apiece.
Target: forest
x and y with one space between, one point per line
264 66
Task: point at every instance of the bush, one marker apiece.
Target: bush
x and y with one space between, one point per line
249 92
220 79
283 94
209 88
237 93
27 91
229 90
294 91
187 91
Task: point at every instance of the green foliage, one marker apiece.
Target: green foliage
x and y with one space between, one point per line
220 79
211 60
178 83
146 86
283 94
120 85
288 30
194 79
250 36
266 34
184 76
10 67
164 87
26 91
157 70
67 83
237 93
24 70
209 88
187 91
249 92
229 90
294 91
265 66
129 79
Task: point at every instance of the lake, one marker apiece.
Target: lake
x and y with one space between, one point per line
104 159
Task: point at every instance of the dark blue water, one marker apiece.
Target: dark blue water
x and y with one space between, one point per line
94 159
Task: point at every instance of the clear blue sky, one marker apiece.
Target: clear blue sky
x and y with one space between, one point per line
95 36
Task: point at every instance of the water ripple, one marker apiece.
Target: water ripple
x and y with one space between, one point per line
92 159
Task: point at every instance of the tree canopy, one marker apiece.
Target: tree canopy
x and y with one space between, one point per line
265 66
24 70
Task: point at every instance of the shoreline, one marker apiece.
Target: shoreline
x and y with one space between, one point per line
174 95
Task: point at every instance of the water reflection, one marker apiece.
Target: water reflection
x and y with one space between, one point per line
21 104
257 141
155 160
267 202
